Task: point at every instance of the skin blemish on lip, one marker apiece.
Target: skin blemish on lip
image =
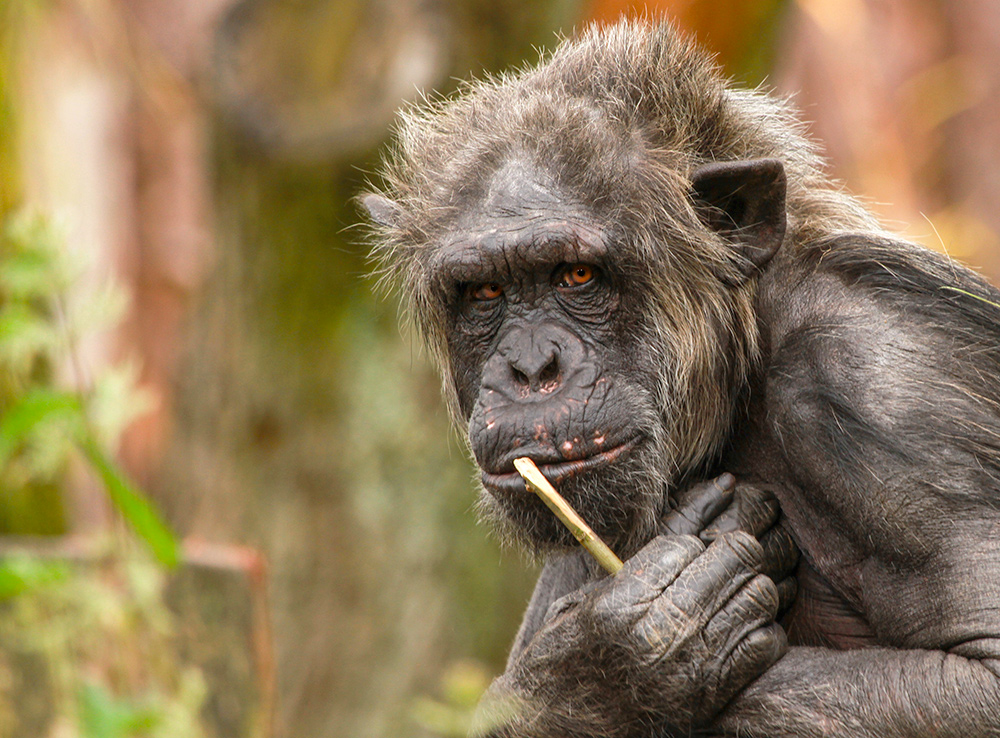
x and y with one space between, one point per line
599 441
567 446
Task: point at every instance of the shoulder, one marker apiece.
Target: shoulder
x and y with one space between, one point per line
903 277
888 357
880 294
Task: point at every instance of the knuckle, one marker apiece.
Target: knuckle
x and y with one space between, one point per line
563 605
754 493
667 547
603 614
787 589
659 633
610 611
744 545
773 643
763 593
689 545
758 508
786 543
780 552
764 646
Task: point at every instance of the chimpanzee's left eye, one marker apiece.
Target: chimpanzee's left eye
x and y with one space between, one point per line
575 275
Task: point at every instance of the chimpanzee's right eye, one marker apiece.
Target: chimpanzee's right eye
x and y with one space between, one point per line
485 291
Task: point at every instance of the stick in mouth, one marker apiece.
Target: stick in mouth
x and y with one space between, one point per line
538 484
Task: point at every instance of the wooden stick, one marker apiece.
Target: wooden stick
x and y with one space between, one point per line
538 484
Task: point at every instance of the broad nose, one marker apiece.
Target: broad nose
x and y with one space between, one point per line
535 367
532 359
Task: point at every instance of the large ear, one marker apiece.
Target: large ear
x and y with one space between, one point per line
744 201
382 210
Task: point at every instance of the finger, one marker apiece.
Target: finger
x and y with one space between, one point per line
571 601
752 607
758 509
755 654
787 589
661 561
623 599
753 509
727 522
780 554
711 579
751 657
701 504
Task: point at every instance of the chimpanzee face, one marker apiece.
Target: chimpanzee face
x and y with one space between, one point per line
544 356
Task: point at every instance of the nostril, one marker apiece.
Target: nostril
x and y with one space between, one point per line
549 374
534 371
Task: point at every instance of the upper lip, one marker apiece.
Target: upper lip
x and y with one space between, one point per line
559 471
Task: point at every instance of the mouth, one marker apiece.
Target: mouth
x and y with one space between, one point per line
557 472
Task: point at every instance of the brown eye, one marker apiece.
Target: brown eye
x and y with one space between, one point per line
576 275
486 291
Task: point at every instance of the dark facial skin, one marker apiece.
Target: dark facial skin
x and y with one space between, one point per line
537 323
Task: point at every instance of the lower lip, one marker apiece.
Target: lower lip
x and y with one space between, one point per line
560 472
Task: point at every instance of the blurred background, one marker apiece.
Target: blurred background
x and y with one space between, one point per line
230 502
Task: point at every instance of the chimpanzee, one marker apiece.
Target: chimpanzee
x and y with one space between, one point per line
640 276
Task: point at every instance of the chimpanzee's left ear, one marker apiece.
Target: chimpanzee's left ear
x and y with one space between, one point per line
744 201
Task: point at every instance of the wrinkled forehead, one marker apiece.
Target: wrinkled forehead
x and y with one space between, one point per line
519 187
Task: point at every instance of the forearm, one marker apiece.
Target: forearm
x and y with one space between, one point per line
869 693
509 709
544 698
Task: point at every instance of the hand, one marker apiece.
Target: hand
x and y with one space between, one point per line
721 505
669 640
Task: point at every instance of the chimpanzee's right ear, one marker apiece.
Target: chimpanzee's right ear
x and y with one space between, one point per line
382 210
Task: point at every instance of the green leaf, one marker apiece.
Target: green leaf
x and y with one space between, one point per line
138 512
36 407
29 274
24 333
102 715
20 574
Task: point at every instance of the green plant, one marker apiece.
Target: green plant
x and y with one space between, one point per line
42 425
88 632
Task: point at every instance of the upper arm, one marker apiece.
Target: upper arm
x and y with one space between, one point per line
951 602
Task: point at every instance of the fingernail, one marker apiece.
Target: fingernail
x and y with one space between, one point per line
726 481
